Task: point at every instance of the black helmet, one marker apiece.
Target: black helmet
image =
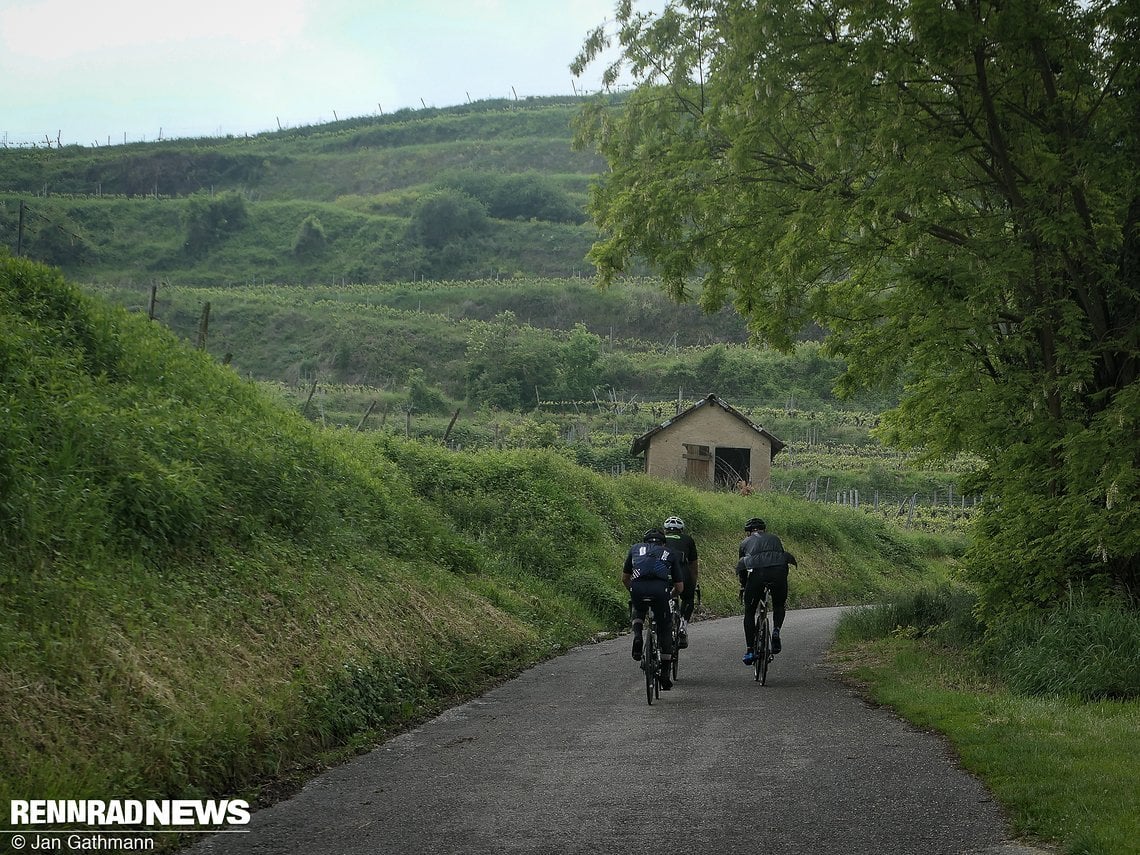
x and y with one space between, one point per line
754 524
654 535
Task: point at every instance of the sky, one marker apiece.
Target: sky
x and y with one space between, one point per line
98 72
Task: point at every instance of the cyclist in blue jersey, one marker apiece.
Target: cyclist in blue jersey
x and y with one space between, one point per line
653 571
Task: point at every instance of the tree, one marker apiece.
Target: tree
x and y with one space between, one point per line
211 219
950 190
311 239
446 216
579 370
507 364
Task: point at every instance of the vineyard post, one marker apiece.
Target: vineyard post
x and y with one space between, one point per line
312 389
204 326
450 425
367 413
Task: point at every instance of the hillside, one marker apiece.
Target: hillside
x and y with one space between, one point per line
443 245
202 591
484 190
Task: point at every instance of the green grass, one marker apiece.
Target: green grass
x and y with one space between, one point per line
1065 770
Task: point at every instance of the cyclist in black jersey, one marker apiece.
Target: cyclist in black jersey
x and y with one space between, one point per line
680 540
763 554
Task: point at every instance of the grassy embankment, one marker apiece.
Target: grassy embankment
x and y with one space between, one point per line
203 592
1045 708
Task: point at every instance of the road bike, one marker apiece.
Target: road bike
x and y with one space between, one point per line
651 662
764 653
675 621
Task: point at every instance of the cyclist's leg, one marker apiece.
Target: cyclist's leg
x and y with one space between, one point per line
664 621
639 610
753 593
779 587
688 601
688 597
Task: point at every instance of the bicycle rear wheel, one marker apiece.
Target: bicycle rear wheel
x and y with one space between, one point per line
764 654
649 664
676 644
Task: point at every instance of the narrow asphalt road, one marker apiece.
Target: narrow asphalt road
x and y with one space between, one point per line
569 758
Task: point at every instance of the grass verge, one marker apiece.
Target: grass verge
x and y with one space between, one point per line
1065 770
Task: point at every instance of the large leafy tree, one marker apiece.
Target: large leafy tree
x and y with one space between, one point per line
949 187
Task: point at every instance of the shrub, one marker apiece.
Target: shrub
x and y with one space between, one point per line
446 216
310 239
944 613
211 219
1088 651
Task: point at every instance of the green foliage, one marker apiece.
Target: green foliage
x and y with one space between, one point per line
209 220
124 212
1085 651
963 218
1063 770
524 196
446 216
422 397
944 613
311 238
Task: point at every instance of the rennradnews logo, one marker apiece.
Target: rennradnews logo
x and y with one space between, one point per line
130 812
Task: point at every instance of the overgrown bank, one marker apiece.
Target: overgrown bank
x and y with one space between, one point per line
201 589
1043 706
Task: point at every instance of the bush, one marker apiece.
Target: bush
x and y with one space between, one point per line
310 239
1087 651
446 216
211 219
944 613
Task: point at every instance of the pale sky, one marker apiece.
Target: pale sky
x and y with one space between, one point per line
92 71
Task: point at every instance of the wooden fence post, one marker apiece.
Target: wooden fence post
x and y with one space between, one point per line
204 326
305 408
367 413
450 425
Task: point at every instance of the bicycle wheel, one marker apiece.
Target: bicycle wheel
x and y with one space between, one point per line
676 643
763 643
764 655
657 664
649 663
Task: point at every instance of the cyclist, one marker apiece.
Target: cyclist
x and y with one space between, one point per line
763 554
687 548
653 570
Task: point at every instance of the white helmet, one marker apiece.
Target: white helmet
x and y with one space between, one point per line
674 524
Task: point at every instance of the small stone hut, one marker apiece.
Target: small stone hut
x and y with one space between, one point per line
709 445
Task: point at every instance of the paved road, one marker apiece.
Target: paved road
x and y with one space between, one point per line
560 760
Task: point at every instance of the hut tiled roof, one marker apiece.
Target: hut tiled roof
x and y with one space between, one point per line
642 442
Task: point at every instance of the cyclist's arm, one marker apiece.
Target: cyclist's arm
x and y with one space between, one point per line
677 573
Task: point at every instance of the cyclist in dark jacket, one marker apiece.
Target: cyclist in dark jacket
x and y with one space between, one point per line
680 540
653 571
763 561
